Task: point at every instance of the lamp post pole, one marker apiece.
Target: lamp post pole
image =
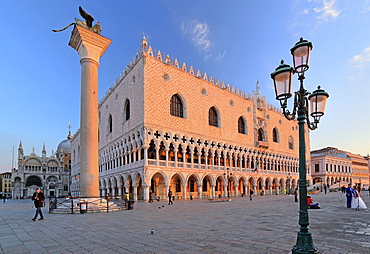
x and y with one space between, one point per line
282 77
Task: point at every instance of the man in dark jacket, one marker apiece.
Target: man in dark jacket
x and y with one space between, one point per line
39 199
170 197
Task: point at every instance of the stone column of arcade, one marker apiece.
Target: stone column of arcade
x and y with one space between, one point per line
90 46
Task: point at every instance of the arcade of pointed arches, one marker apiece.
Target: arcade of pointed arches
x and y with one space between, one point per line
177 150
192 185
168 152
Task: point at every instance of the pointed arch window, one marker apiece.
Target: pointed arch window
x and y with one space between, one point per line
162 151
241 126
171 152
213 117
127 111
151 150
261 136
275 135
176 106
180 156
291 143
110 124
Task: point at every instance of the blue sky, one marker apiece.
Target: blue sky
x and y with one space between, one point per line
237 41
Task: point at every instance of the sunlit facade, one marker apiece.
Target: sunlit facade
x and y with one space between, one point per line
5 184
333 166
164 126
49 173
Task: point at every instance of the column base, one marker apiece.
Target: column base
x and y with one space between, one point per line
304 244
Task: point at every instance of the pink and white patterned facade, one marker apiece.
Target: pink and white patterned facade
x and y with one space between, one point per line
164 126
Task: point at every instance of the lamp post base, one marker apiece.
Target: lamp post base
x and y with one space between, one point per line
304 244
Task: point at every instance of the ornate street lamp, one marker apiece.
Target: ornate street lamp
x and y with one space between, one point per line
282 77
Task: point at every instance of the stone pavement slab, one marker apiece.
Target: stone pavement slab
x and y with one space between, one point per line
268 224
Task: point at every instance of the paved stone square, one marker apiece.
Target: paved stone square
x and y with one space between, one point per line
268 224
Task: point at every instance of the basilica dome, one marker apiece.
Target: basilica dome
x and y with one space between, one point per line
65 145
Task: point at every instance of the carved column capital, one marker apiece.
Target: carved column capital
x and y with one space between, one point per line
88 44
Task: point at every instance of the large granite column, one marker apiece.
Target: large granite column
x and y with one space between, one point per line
90 46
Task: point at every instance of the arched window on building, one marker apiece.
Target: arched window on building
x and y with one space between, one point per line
203 157
188 155
176 106
261 136
275 135
33 180
242 126
222 159
110 124
195 155
162 151
213 117
291 143
180 156
127 111
151 151
171 152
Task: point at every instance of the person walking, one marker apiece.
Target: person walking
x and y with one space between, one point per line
349 193
150 196
250 194
39 199
127 197
296 195
170 197
325 189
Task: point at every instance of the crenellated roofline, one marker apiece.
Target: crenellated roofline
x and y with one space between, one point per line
148 51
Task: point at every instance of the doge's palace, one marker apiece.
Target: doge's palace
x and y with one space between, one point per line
165 126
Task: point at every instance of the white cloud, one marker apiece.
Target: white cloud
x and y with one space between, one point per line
199 34
305 11
366 7
220 55
360 61
327 11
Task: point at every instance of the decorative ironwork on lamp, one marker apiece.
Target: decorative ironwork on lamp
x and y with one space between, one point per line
282 77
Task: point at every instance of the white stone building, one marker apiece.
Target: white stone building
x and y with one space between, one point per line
164 126
333 166
49 173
